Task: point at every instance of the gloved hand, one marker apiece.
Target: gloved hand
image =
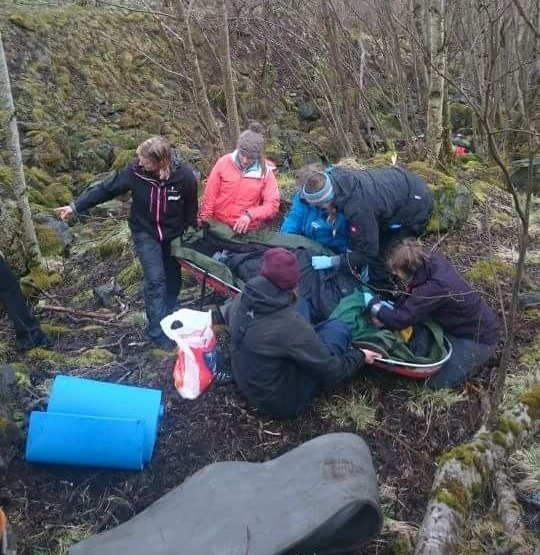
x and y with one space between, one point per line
375 304
321 262
368 297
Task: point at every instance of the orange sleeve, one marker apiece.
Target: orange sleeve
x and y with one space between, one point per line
270 196
211 192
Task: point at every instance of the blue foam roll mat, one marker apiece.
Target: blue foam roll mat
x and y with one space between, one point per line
76 396
85 440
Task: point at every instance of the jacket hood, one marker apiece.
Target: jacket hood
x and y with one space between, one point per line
263 297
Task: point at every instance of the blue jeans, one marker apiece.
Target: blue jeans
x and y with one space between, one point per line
336 335
467 357
162 279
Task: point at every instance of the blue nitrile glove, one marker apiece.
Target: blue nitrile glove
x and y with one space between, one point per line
322 262
375 304
368 297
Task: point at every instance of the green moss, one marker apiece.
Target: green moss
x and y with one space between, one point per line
37 178
507 426
275 152
499 438
49 241
83 296
55 329
160 354
6 175
42 278
485 272
36 197
502 219
467 454
114 239
95 357
21 374
132 275
402 546
57 195
479 190
123 158
431 175
25 21
382 159
454 494
531 356
38 354
531 398
92 358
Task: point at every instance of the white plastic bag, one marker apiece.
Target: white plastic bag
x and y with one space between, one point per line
195 364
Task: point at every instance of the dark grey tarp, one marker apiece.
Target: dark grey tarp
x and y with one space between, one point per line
321 497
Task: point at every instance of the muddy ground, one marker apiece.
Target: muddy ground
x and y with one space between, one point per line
51 507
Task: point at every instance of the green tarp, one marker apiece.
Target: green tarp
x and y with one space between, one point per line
182 247
352 310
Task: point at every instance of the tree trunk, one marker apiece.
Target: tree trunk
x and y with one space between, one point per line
228 79
344 96
434 130
30 241
466 469
199 87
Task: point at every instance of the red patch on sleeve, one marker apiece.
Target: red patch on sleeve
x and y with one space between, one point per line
354 229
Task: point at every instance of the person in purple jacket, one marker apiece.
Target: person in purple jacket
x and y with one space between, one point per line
434 289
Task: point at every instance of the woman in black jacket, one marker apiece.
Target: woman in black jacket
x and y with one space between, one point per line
164 204
381 206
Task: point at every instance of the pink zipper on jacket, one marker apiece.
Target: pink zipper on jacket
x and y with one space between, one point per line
160 191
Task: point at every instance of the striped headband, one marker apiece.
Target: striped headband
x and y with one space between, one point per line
324 195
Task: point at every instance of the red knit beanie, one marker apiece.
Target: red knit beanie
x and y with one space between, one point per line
281 268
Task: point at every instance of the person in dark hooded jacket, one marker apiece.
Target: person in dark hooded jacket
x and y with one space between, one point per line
381 206
434 289
164 203
279 360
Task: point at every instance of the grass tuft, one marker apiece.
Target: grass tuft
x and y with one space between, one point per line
353 409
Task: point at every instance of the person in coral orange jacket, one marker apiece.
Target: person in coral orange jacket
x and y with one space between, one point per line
241 190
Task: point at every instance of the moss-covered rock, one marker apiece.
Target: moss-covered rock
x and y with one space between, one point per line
49 241
486 272
41 278
479 190
453 200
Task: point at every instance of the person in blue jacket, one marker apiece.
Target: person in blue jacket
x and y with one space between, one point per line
328 227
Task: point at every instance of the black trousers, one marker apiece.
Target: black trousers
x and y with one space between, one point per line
162 279
27 329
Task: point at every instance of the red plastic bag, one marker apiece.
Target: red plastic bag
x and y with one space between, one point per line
197 350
